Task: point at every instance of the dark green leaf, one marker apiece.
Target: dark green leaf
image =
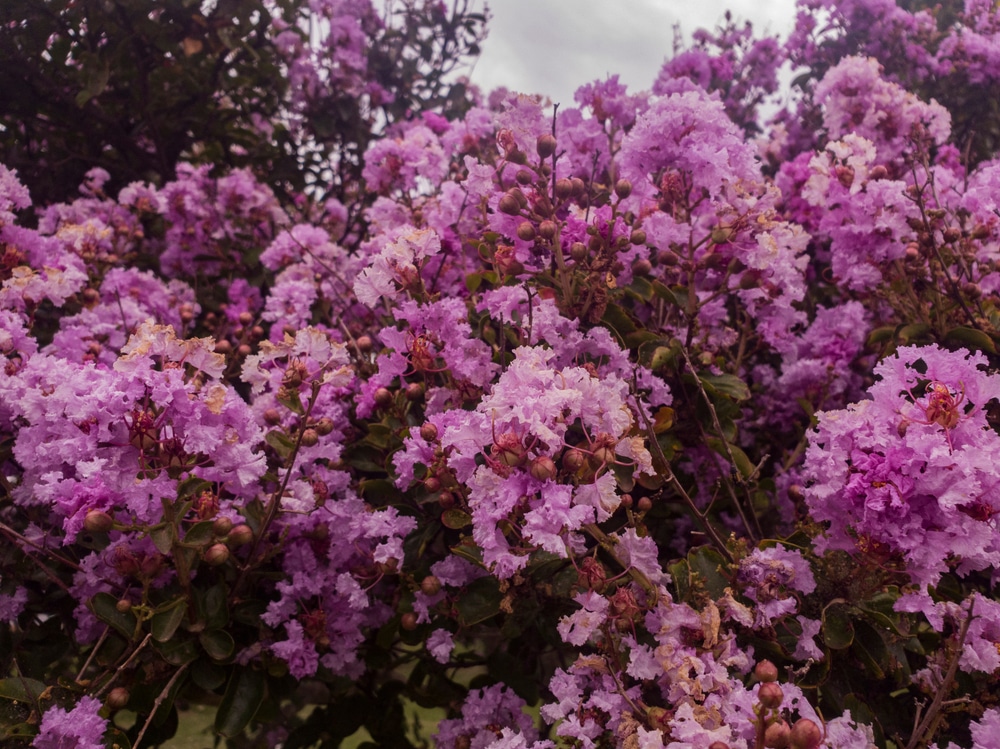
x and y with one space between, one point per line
970 338
708 564
163 536
838 629
166 621
455 519
21 689
479 601
727 385
281 442
105 608
207 675
218 643
244 694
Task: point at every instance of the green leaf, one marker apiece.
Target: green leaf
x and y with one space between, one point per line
479 601
456 519
970 338
163 536
880 335
178 651
215 608
289 398
473 281
218 643
838 629
912 332
680 573
166 621
199 534
281 442
708 564
640 288
105 608
207 675
740 459
618 320
870 649
244 694
21 689
726 384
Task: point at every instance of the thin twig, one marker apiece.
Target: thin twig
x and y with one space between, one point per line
157 702
921 731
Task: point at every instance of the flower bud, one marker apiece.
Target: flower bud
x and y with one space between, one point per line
645 504
623 188
324 426
805 734
216 554
526 231
222 526
118 698
878 172
579 186
428 432
432 484
564 188
240 535
430 585
272 417
508 204
578 251
952 234
245 318
718 745
524 177
638 237
408 621
573 460
91 296
124 605
364 343
545 145
383 397
542 468
765 671
414 391
223 347
770 695
98 521
548 229
310 438
777 735
642 267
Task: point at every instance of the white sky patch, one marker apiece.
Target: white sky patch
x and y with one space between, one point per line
552 47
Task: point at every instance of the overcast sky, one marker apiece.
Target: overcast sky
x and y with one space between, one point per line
552 47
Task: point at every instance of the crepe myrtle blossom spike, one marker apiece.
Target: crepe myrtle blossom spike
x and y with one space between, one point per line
80 727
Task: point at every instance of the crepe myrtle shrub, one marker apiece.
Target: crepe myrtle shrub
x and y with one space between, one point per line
377 405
